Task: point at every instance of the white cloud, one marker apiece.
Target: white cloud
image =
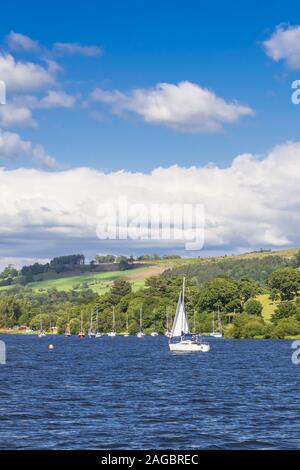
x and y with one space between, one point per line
57 99
23 76
185 107
22 43
52 99
66 48
12 147
12 115
284 44
250 204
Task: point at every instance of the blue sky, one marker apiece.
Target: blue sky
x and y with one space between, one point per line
199 88
216 45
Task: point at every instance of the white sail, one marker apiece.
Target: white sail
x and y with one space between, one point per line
181 324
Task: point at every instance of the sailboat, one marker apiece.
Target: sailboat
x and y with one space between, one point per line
154 332
67 330
168 333
98 334
92 334
41 333
127 328
217 333
141 334
181 339
113 332
81 333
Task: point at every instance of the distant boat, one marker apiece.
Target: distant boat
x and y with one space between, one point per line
141 334
67 331
81 333
217 333
92 334
113 332
167 333
98 334
41 334
154 332
181 339
127 328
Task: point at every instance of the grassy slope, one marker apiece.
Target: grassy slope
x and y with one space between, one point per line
100 282
268 306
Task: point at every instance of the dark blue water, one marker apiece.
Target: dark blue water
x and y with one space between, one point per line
128 393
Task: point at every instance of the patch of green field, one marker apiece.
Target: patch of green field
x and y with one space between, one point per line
98 282
268 306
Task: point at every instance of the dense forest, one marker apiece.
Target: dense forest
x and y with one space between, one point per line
231 288
257 269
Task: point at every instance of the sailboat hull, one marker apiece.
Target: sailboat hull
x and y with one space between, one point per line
189 346
216 335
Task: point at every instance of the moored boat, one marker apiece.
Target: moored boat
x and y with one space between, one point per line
181 339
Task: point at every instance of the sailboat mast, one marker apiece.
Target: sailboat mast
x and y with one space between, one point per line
213 322
141 320
114 321
182 300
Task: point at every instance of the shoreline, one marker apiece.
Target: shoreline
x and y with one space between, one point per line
33 333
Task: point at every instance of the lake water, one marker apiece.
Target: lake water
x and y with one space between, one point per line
130 393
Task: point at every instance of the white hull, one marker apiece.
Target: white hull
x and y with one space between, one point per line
112 333
216 335
154 333
140 335
189 346
98 335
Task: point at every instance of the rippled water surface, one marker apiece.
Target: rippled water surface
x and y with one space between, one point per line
130 393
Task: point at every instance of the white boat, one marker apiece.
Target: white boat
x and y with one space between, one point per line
181 339
154 332
41 334
113 332
217 333
141 334
92 333
168 332
97 333
81 333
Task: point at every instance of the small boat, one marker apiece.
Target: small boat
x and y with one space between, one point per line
168 332
154 332
97 333
41 334
91 333
181 339
113 332
81 333
141 334
67 330
217 333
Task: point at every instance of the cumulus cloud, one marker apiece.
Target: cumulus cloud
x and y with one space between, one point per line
12 147
254 202
67 48
13 115
21 43
23 76
284 44
185 107
52 99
